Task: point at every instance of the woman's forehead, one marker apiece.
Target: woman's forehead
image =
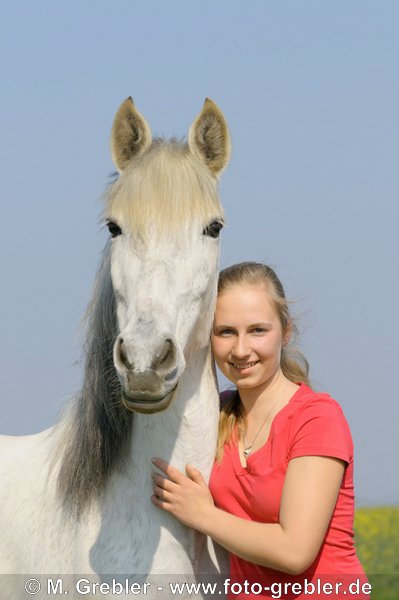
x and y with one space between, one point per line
245 292
245 301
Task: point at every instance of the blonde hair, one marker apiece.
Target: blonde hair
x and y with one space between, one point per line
293 364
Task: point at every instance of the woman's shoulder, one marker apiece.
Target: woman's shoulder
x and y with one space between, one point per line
306 395
314 403
317 425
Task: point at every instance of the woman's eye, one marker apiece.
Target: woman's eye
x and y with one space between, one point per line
213 229
114 229
258 330
226 332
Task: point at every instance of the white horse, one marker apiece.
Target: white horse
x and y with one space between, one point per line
75 499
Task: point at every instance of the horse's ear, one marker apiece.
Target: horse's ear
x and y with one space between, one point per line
130 136
209 138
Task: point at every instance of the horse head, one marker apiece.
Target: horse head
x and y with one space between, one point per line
164 216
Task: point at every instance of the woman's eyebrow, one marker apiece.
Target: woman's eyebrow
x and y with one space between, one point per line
251 325
223 326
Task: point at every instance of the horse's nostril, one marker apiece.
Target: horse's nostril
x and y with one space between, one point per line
165 352
122 354
171 375
165 358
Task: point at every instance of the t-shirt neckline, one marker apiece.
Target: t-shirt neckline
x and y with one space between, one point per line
238 467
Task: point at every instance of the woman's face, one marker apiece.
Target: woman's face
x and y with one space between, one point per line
247 336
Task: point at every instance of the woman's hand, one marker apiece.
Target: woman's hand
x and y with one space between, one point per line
186 497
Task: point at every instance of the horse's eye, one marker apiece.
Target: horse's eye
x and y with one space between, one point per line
213 229
114 229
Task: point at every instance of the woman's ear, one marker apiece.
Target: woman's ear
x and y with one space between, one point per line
287 335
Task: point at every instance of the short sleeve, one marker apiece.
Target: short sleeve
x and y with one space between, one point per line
320 429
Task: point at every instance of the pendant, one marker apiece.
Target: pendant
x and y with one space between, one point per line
247 451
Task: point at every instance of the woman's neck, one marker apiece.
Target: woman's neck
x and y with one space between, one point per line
275 393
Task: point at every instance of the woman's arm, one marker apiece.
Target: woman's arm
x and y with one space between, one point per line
309 496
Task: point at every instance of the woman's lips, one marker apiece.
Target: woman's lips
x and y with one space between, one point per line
244 367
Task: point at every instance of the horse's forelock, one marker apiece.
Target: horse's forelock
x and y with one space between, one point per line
167 186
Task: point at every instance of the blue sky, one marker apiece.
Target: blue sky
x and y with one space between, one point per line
310 91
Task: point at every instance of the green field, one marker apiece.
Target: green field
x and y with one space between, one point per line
377 544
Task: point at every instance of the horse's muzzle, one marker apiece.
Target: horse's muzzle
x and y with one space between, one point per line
144 402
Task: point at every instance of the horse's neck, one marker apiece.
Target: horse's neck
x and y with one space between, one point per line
186 431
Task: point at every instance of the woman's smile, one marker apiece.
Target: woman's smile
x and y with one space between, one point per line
244 368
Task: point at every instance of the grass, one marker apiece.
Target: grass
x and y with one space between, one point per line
377 545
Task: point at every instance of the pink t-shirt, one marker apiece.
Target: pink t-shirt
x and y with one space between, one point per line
311 424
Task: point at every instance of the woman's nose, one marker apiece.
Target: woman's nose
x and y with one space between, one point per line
241 347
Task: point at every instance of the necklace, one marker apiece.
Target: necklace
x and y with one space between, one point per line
248 447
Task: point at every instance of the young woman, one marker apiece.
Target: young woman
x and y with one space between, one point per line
280 497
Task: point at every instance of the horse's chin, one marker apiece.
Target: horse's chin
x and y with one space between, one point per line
146 403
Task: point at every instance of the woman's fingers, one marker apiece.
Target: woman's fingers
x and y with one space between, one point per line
187 497
162 483
195 474
161 493
173 474
160 503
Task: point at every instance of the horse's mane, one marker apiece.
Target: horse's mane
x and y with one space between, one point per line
98 429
